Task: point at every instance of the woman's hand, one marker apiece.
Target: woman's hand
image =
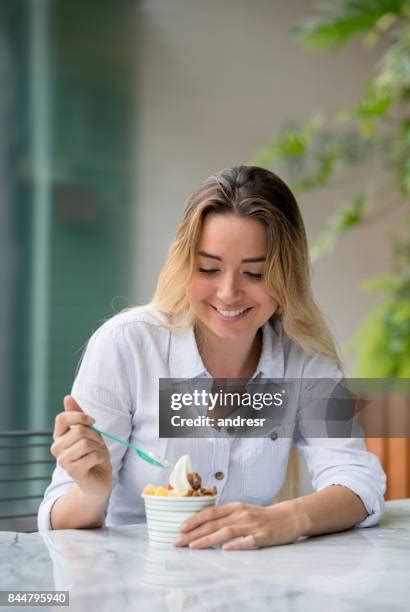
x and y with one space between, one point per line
257 526
81 451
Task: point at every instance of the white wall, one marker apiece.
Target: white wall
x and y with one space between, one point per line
218 80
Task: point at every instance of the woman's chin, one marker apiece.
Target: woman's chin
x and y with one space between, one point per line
228 331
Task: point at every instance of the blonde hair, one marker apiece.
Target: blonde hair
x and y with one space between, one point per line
257 193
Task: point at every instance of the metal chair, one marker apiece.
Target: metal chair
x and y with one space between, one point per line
26 466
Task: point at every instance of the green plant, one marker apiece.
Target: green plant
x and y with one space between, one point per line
376 129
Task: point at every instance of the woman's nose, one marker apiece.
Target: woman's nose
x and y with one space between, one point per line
229 290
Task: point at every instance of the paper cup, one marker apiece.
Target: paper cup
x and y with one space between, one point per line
166 514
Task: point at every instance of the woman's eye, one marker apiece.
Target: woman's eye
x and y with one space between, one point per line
254 275
208 270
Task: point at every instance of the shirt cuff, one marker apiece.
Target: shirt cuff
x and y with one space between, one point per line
44 513
373 503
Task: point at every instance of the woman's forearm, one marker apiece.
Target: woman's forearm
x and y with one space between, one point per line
76 510
335 508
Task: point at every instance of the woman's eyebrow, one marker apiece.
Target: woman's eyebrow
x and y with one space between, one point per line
246 260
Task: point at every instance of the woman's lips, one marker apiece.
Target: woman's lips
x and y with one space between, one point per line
231 318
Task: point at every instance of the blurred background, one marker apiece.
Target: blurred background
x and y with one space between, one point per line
111 113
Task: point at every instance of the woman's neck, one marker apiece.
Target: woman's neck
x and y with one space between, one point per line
225 358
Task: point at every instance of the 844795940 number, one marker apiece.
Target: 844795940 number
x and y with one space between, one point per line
34 598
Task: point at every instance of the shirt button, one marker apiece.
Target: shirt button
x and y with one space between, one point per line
274 436
219 475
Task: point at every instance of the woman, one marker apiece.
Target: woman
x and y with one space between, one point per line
233 300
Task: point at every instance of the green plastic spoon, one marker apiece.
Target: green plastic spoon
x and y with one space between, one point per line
150 457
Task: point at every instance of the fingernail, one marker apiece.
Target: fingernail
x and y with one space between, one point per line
90 419
178 542
183 527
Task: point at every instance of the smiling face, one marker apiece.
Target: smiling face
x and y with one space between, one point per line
227 292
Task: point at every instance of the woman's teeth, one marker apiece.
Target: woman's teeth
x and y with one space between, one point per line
231 313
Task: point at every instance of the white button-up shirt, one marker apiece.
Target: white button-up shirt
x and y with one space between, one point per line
118 384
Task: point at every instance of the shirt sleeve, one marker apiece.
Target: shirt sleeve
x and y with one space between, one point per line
333 460
102 389
341 461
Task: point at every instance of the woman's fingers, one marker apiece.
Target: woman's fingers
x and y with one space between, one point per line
72 415
233 537
64 420
246 543
80 469
78 450
199 532
220 536
75 433
70 404
210 514
225 524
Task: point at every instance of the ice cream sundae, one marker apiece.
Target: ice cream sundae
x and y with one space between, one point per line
183 482
168 507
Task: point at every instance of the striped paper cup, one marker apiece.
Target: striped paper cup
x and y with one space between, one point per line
166 514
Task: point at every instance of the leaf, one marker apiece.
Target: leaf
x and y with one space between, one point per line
394 71
383 24
383 342
326 163
401 314
294 142
340 20
375 103
346 218
385 284
373 359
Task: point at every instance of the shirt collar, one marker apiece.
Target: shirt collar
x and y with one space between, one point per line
185 362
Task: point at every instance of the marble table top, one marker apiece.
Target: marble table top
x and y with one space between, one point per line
114 569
